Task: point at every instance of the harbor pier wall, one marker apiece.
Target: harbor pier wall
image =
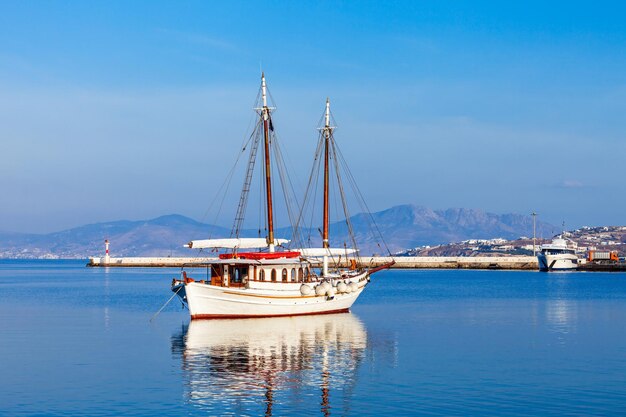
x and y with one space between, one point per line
404 262
460 262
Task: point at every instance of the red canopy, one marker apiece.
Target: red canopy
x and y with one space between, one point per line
260 255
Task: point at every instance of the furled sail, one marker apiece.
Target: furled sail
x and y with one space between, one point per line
316 252
240 243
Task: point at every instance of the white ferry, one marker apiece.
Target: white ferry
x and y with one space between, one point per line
557 256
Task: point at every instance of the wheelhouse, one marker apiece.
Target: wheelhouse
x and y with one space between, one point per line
244 273
557 251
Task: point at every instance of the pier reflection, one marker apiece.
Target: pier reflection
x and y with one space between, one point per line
562 316
561 307
267 366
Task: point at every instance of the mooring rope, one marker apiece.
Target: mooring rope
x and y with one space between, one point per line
164 305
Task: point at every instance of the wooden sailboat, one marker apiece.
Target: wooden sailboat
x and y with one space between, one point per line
272 282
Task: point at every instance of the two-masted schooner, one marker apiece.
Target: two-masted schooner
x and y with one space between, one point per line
275 281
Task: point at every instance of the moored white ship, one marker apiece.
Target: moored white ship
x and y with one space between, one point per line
260 287
557 255
272 282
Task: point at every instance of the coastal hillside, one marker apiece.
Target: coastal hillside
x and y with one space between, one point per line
604 238
404 227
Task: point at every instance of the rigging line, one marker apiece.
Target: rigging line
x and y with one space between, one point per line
243 147
288 190
352 183
272 181
343 195
253 117
335 261
225 185
301 221
282 155
224 182
245 191
362 202
332 121
262 197
314 201
334 198
334 185
271 101
283 179
166 303
261 210
321 121
301 224
257 100
375 227
315 211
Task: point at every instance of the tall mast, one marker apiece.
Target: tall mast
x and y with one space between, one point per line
327 132
265 112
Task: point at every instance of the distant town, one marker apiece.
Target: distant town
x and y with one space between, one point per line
609 238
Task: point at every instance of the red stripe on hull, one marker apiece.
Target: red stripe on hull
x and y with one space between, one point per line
235 316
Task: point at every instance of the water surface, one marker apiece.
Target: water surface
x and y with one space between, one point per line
79 341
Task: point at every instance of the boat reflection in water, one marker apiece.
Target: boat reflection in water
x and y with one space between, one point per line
274 365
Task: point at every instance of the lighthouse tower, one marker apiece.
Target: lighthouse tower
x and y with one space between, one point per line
106 252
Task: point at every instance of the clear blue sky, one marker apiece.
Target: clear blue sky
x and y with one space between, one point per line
130 110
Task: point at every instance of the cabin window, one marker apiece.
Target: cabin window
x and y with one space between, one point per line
301 275
293 274
240 274
262 275
284 275
273 275
254 274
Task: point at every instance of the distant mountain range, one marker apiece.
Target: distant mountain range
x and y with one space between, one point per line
408 226
403 227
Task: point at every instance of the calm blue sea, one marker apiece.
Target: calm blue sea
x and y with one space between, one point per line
79 341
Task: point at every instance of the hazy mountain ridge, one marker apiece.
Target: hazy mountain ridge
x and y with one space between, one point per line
403 227
156 237
408 226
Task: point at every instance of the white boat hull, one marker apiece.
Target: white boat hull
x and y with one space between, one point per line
212 302
559 262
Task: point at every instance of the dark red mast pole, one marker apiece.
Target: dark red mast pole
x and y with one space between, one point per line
327 131
268 170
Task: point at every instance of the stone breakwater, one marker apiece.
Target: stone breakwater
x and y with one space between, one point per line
404 262
460 262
